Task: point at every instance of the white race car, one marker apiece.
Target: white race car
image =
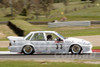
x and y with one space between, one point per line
48 42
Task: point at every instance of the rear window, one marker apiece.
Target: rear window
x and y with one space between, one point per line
28 38
38 37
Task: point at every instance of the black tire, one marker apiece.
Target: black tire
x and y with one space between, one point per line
28 50
76 49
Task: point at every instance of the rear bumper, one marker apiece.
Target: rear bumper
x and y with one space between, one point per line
15 49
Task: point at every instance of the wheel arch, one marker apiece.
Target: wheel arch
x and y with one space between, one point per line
28 44
73 45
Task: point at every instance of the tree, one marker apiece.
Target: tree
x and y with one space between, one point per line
1 1
92 1
11 7
42 7
46 6
16 5
19 5
83 0
58 1
66 2
38 6
24 12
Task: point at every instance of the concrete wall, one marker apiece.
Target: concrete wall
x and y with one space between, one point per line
70 23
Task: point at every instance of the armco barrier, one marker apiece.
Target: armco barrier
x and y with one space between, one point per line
70 23
95 22
46 23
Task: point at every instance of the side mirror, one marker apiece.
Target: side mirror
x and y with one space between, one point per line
59 39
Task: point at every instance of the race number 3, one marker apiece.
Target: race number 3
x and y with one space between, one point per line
59 46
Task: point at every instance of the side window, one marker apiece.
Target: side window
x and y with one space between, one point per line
38 37
28 38
51 36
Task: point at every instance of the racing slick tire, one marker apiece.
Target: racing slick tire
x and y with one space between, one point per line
28 50
76 49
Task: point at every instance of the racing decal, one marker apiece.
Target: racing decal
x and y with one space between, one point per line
59 46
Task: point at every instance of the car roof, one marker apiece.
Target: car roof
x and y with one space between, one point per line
43 32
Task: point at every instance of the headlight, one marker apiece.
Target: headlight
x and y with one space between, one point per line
83 42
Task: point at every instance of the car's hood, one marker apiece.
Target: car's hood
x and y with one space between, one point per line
15 38
77 40
74 39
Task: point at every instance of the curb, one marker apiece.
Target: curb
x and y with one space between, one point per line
7 52
96 50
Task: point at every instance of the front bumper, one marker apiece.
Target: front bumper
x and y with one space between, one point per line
87 49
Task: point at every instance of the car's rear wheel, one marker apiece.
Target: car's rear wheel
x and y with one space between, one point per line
28 50
76 49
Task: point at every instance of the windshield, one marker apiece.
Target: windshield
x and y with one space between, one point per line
61 36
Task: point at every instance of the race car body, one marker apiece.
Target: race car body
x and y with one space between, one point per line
48 42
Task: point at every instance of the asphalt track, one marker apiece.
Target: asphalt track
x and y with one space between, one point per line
14 56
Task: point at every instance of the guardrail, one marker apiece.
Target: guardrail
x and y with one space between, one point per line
95 22
70 23
46 23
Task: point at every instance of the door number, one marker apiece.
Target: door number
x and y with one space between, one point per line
58 46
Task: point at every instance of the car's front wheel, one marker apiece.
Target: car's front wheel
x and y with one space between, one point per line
76 49
28 50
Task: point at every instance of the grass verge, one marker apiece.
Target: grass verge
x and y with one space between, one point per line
73 31
96 47
64 31
4 49
24 26
44 64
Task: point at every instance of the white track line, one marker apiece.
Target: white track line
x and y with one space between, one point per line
7 52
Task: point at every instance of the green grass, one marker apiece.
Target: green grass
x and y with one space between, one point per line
5 31
96 47
73 31
88 14
3 49
25 26
46 19
64 31
91 13
84 32
44 64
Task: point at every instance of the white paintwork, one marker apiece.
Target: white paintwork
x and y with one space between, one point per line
17 43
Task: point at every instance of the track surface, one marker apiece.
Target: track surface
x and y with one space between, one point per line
92 56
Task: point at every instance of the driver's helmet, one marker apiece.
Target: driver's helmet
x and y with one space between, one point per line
49 37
